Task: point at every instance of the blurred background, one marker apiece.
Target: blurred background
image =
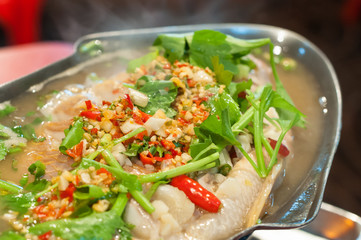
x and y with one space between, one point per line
333 25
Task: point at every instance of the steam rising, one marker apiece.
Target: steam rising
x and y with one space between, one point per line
73 19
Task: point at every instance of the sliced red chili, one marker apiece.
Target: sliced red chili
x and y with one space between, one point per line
103 170
61 211
39 210
191 82
167 144
283 151
183 122
141 135
129 101
76 151
175 152
140 117
166 156
197 193
45 236
137 118
95 115
147 158
106 103
94 131
242 94
68 192
88 104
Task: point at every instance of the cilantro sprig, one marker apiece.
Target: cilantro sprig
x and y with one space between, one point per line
226 56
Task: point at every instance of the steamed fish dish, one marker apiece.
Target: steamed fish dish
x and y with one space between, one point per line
186 144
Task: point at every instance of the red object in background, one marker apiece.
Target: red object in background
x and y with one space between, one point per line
351 12
20 20
18 61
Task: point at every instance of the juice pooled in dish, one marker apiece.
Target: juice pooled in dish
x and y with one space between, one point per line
187 145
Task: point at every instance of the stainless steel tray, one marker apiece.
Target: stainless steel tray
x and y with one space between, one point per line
330 223
303 201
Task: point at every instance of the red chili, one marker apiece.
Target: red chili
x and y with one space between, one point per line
88 104
147 159
167 144
242 94
196 193
127 98
94 131
75 151
103 170
283 151
45 236
166 156
95 115
175 152
191 82
183 122
68 192
141 135
106 103
140 117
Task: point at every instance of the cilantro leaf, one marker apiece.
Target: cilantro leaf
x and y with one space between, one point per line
197 147
208 43
161 95
10 235
6 110
38 185
3 150
37 169
2 132
89 192
222 76
235 88
17 202
173 44
132 150
99 226
221 101
218 128
27 131
73 135
144 60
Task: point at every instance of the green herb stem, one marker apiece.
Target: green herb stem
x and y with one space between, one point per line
142 200
10 187
245 154
273 160
129 135
208 166
244 120
190 167
258 132
39 194
210 147
120 203
110 159
118 173
154 188
267 146
136 194
94 154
